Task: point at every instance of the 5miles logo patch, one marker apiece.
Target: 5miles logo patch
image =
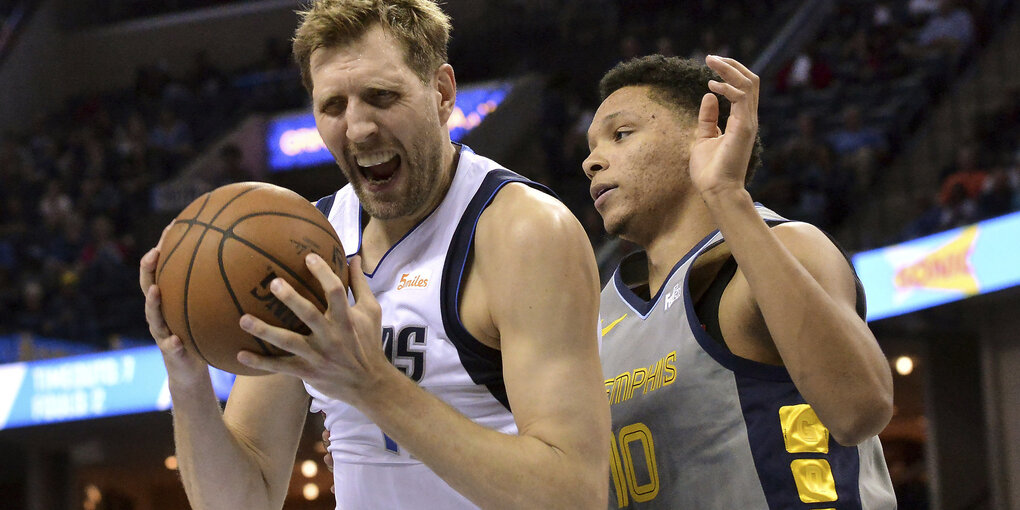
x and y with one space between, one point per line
414 280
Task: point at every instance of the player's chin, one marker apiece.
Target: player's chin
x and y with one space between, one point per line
613 222
383 208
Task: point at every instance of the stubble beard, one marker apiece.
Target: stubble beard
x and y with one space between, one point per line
422 171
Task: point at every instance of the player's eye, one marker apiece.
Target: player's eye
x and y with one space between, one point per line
334 107
620 134
383 96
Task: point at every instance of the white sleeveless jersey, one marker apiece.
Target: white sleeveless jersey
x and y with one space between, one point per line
417 284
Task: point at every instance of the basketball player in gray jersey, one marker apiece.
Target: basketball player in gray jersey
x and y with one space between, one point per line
739 368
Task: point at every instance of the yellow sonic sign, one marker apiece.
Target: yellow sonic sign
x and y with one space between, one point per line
948 267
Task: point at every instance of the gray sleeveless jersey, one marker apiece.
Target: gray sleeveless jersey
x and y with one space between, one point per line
696 427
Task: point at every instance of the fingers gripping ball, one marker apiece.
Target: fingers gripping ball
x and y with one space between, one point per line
220 256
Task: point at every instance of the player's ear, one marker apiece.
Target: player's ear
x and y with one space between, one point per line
446 88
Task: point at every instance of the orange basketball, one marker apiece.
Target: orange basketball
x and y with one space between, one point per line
220 255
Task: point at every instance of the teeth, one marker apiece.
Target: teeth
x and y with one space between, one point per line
375 158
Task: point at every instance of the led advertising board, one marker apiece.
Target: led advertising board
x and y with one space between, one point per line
89 386
941 268
293 142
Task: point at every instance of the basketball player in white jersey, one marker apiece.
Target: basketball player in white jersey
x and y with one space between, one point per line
474 294
739 367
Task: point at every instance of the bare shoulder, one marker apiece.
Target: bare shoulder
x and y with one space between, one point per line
530 244
820 256
522 216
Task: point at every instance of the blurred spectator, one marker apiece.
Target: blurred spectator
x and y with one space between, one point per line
30 314
710 45
966 174
882 15
958 209
1000 192
805 148
822 191
170 142
927 217
98 196
70 314
55 205
131 138
104 250
806 70
664 46
949 32
858 147
922 8
67 240
630 47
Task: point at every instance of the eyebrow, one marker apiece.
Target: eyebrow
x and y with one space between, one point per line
605 120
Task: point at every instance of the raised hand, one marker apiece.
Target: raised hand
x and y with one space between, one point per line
342 357
719 160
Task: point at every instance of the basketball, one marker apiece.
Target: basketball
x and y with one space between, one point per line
219 257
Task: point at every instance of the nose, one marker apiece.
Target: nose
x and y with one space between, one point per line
593 163
361 123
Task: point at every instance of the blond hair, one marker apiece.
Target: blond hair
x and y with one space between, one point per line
421 27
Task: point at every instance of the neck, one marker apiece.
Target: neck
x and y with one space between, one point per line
677 235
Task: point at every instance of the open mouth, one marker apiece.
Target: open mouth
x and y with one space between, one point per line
378 168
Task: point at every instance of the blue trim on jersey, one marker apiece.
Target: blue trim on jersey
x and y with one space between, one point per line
483 363
361 221
760 401
642 307
324 204
737 364
635 302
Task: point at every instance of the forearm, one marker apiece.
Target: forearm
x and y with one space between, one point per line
823 344
492 469
216 469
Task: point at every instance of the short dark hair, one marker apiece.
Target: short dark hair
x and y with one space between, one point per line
677 83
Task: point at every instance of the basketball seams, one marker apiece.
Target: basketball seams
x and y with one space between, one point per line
230 214
191 266
229 231
166 259
230 289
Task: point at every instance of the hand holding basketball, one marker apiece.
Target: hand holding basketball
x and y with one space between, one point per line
215 263
179 360
342 356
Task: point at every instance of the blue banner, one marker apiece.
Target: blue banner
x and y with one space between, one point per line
89 386
292 141
941 268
